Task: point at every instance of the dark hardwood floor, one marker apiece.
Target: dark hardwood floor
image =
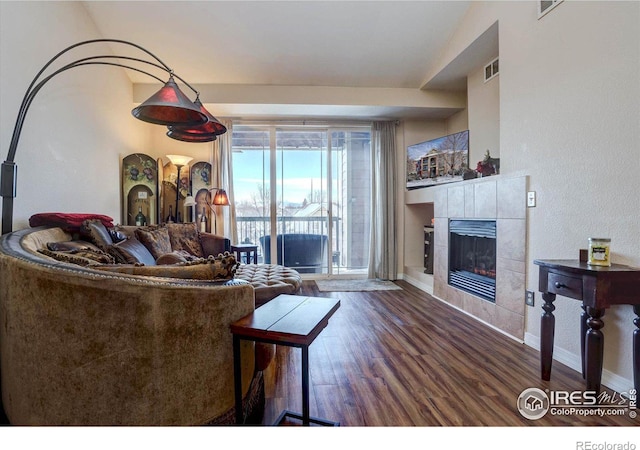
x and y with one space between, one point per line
403 358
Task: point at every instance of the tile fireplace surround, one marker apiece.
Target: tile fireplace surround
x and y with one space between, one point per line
502 199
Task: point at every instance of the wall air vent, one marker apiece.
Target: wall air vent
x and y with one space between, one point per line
491 70
544 6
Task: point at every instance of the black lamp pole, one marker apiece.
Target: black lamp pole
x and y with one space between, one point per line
179 166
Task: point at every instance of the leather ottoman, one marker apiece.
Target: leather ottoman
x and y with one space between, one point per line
269 280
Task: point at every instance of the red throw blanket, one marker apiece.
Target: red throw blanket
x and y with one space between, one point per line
67 221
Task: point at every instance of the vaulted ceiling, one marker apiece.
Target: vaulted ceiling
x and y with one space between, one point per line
309 54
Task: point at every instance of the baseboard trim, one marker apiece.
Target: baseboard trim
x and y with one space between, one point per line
572 360
422 286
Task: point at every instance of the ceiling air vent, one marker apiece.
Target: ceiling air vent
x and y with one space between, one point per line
544 6
491 70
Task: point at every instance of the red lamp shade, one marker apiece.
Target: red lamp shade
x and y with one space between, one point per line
173 134
170 106
220 198
206 132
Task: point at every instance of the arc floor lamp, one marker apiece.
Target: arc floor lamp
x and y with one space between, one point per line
186 120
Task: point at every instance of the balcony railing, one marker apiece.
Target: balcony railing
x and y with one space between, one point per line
251 229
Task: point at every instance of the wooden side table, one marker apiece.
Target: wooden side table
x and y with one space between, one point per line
290 320
248 250
598 288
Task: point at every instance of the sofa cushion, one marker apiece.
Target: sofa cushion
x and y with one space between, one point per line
217 269
156 239
131 251
185 237
95 231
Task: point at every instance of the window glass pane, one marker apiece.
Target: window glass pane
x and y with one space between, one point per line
301 173
251 168
351 175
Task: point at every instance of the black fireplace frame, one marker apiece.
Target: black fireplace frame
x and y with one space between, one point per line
477 284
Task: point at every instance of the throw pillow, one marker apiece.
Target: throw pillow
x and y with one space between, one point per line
156 239
175 257
185 237
95 231
131 251
214 269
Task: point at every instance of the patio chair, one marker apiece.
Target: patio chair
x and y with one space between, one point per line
306 253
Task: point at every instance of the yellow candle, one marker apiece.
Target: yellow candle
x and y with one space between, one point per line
599 252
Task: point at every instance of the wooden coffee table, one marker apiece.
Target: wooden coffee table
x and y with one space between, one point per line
290 320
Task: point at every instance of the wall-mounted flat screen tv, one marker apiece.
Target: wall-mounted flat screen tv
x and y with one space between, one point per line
438 161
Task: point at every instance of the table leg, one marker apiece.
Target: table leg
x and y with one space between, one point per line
594 346
636 349
237 380
583 333
547 330
305 385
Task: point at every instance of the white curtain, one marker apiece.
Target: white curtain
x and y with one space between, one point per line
222 177
383 257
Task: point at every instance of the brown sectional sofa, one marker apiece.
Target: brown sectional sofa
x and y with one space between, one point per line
83 346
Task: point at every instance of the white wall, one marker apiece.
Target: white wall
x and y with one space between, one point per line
484 116
576 131
79 124
570 120
458 122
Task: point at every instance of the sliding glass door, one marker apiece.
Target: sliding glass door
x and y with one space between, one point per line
252 184
302 196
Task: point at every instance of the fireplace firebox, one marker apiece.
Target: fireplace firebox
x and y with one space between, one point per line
472 257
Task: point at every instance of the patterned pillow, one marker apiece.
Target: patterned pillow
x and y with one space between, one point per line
171 258
226 265
185 237
156 239
220 268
